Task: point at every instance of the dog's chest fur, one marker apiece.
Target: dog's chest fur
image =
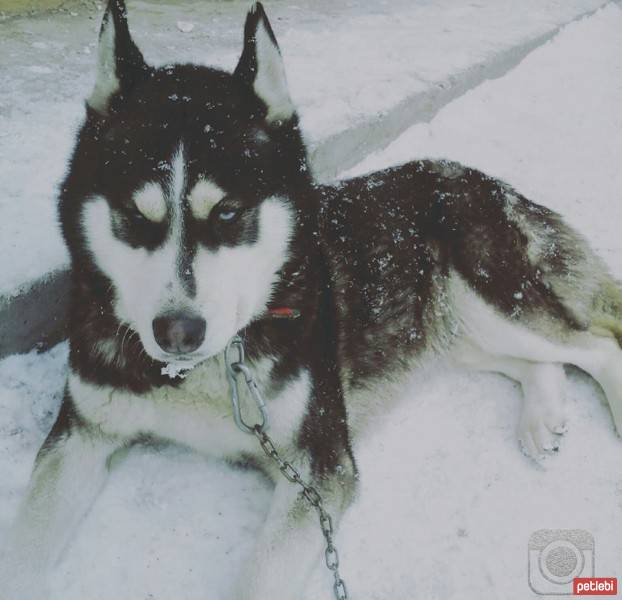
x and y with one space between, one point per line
196 412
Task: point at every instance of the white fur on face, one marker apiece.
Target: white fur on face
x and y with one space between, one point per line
234 284
142 279
106 82
146 282
178 176
203 197
176 188
150 201
270 82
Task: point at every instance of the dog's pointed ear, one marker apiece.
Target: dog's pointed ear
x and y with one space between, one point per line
261 66
120 63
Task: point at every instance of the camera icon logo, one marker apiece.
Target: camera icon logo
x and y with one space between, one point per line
556 557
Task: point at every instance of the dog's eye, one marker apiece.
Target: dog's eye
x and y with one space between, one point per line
137 217
227 214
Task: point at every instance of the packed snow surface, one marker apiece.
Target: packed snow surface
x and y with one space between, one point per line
447 500
346 62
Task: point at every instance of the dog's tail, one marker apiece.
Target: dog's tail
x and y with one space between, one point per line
607 312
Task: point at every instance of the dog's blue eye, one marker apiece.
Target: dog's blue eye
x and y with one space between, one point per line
227 215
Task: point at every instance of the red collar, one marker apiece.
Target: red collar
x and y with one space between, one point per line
283 312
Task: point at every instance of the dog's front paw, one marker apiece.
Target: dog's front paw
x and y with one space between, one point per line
540 434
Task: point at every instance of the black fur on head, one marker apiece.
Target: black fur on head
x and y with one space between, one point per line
239 130
136 112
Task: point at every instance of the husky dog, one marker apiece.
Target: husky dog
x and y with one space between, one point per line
190 213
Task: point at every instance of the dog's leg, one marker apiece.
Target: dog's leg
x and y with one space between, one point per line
69 472
598 355
543 418
543 384
601 357
291 542
595 351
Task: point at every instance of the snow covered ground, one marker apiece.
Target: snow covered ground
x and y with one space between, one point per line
448 502
347 62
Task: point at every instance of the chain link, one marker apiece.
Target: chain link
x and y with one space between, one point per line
285 467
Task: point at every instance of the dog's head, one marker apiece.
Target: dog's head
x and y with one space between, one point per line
180 187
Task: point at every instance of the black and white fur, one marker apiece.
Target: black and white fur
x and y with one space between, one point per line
189 210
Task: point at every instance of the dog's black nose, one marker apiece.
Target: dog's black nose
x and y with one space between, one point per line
179 333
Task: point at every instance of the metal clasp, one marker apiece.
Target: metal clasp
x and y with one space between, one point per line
234 368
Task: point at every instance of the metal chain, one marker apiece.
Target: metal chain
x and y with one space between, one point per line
313 497
285 467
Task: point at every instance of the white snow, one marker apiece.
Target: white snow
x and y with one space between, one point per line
346 62
185 26
447 500
174 370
